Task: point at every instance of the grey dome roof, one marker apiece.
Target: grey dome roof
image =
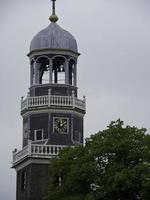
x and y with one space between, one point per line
54 37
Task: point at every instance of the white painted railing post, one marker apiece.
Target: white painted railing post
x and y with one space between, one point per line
29 147
14 154
73 99
49 97
84 100
22 102
22 99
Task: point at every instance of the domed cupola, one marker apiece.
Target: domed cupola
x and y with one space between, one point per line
53 37
53 58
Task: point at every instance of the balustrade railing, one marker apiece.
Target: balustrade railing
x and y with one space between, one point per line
36 150
23 104
61 100
52 100
21 154
37 101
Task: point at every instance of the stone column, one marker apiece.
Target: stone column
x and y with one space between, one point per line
34 73
50 70
75 74
31 74
66 66
37 73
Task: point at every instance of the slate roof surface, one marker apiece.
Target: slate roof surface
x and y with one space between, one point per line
54 37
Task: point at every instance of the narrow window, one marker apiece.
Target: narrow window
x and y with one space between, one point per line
39 134
78 136
24 180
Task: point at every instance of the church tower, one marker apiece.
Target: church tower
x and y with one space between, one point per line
52 112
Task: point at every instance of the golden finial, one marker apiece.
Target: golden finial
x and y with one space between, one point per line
53 18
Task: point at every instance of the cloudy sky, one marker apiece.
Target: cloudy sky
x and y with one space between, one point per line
113 71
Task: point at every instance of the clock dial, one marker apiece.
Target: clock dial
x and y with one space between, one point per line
61 125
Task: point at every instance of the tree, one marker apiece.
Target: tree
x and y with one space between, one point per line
114 164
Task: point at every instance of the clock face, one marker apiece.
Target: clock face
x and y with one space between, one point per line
61 125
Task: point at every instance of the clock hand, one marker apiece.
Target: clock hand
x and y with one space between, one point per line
64 123
61 123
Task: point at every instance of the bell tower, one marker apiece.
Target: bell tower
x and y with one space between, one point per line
52 112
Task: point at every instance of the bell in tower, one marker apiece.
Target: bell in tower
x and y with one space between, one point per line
52 112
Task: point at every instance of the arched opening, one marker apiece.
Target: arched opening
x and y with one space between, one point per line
58 72
43 70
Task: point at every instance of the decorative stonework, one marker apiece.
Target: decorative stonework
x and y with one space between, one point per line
36 151
51 101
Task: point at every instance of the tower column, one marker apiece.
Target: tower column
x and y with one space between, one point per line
75 74
50 70
31 74
66 71
37 73
34 73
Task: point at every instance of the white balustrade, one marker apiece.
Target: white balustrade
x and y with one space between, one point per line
23 104
36 150
37 101
20 155
52 100
80 104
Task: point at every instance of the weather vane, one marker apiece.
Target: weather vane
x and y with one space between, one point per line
53 18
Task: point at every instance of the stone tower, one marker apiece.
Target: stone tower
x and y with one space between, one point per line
52 113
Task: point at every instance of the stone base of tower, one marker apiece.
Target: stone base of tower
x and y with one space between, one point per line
32 179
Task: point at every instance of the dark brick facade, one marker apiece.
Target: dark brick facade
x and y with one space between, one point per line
37 177
45 121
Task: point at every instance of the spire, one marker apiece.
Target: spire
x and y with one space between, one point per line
53 7
53 18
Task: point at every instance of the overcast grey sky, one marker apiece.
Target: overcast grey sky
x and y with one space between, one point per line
113 71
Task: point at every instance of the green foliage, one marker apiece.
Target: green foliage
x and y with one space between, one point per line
114 164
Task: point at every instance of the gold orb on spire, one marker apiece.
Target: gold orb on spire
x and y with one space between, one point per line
53 18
